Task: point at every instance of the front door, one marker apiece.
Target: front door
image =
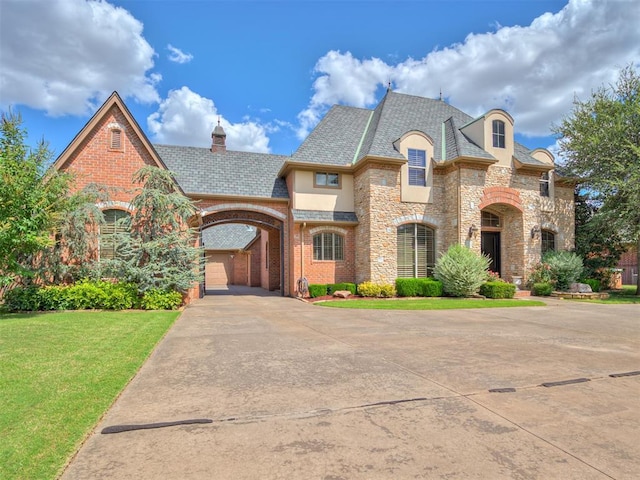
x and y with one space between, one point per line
490 246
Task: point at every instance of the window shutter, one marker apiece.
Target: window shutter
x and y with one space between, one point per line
116 139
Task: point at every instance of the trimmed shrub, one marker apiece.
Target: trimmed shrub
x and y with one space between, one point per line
387 290
594 283
156 299
498 290
461 271
408 287
566 267
543 289
336 287
317 290
431 288
369 289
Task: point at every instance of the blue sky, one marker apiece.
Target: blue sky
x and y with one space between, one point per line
271 69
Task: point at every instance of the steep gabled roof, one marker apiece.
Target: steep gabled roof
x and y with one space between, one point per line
199 171
114 100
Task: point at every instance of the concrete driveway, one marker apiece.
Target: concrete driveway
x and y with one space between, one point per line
298 391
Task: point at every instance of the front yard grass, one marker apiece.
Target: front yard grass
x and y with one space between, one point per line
429 303
60 372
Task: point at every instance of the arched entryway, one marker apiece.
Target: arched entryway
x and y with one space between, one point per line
267 253
502 239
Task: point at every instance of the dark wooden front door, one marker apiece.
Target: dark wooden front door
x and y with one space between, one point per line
490 246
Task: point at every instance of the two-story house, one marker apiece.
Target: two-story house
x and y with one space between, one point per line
369 195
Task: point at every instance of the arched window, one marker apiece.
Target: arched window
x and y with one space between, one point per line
416 250
498 134
328 246
490 220
110 231
548 241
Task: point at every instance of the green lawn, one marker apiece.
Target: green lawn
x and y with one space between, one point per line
626 295
429 303
59 373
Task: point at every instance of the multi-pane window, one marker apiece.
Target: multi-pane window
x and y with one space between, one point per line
544 184
416 250
328 246
110 232
327 179
490 220
417 167
498 134
548 241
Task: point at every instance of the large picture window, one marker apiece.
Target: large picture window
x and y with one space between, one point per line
328 246
416 250
417 167
498 134
110 231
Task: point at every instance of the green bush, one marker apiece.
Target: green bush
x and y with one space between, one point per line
566 268
408 287
461 271
317 290
156 299
22 299
431 288
543 289
336 287
497 290
369 289
594 283
418 287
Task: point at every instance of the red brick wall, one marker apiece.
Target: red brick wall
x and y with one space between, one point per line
95 162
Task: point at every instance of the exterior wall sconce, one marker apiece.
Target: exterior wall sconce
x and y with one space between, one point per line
473 230
535 231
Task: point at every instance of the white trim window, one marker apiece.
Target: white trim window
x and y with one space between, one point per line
545 184
498 134
417 167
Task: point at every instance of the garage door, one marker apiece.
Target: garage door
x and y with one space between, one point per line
217 270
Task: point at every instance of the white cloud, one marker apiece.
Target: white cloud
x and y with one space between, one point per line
67 56
186 118
178 56
532 71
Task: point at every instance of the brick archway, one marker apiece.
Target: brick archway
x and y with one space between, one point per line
504 195
275 249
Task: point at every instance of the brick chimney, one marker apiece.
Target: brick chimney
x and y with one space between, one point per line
218 139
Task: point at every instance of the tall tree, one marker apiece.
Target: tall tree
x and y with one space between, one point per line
600 141
33 200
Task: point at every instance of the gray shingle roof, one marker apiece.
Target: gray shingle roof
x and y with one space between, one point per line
321 216
521 153
231 236
348 133
199 171
335 139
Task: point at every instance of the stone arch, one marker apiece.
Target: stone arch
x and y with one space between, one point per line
243 207
117 205
416 218
328 228
504 195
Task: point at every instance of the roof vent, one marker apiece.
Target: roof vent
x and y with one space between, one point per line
218 139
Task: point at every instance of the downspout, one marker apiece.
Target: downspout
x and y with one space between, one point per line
304 225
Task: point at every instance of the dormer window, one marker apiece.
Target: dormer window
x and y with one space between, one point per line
417 167
327 180
498 134
544 184
116 139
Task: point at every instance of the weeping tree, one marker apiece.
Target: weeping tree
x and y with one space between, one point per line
158 251
600 141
